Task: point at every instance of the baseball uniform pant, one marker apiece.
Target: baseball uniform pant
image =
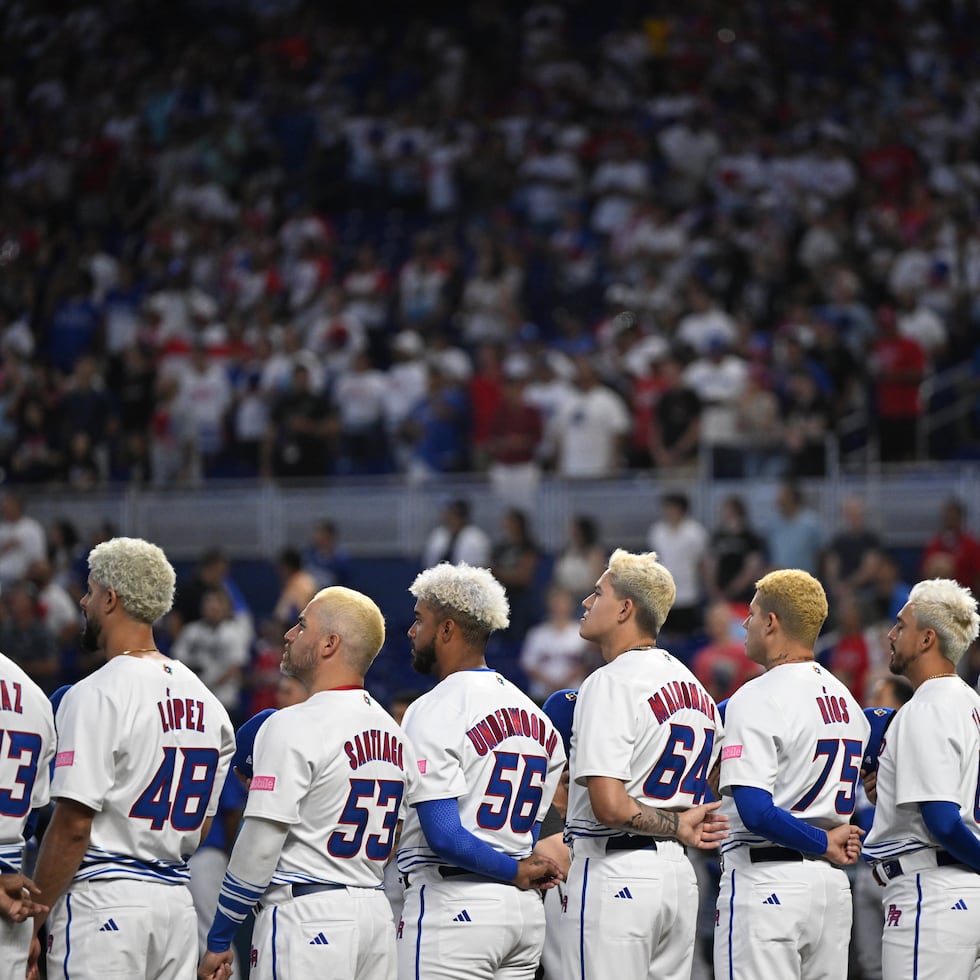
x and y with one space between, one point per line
338 934
932 926
15 944
786 919
868 921
554 905
123 930
631 915
466 926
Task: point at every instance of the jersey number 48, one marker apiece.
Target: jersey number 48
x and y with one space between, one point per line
178 798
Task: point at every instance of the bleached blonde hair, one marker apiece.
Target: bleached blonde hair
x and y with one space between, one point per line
798 601
356 618
138 572
470 596
642 579
949 608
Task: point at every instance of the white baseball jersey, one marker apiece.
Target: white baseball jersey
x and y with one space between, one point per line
798 733
337 769
486 744
27 743
644 718
147 746
929 753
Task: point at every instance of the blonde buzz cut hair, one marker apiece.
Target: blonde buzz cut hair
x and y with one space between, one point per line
798 601
470 596
138 572
948 608
356 618
648 584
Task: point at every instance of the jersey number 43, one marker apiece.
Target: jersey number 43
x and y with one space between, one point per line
25 748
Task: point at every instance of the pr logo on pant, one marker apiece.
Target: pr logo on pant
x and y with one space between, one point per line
400 929
253 957
893 916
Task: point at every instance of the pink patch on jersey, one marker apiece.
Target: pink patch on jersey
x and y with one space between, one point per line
64 759
731 752
423 765
262 782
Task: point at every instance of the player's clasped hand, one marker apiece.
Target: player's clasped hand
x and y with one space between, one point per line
17 894
215 966
537 871
702 826
843 844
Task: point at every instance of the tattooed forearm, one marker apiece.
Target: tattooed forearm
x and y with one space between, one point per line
653 822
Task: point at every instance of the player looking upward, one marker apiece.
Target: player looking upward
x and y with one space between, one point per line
143 749
490 761
925 839
643 745
328 778
794 739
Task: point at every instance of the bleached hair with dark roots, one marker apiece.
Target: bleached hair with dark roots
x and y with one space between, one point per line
949 608
138 572
464 589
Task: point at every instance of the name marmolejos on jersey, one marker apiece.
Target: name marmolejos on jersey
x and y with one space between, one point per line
677 695
503 723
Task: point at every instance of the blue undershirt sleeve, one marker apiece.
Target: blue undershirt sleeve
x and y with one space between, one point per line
944 823
456 845
761 816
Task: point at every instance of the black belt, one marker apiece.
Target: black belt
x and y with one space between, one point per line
884 871
759 855
299 891
630 842
449 871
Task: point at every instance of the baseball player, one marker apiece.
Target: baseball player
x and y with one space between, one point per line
925 840
559 707
27 745
329 777
888 694
794 739
490 761
143 749
644 740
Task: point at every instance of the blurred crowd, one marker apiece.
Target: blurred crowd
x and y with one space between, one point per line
290 239
231 634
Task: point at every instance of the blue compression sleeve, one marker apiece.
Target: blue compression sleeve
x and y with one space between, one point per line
944 823
763 817
536 832
456 845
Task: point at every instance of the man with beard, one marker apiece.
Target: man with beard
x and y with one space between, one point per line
924 843
143 750
328 776
489 761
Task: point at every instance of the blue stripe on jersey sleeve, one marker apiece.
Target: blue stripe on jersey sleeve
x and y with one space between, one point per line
236 900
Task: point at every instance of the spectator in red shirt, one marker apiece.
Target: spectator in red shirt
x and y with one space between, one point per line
899 365
953 552
722 666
